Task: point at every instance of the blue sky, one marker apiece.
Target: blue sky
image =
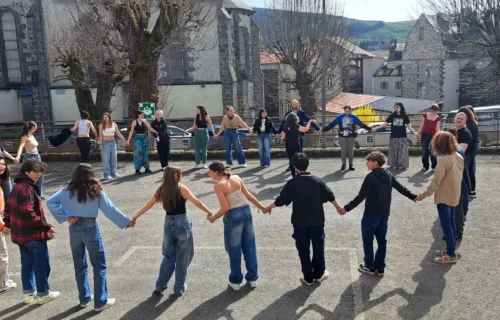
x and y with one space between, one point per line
385 10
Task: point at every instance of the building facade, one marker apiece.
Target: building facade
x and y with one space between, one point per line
225 72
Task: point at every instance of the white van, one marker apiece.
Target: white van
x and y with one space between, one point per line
488 123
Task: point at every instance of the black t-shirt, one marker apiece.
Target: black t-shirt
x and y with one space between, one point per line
464 136
398 125
292 136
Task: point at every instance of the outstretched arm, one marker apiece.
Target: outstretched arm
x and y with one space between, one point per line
250 197
145 208
188 195
75 126
363 193
402 189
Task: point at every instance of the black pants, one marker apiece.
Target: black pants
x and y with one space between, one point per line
471 160
427 152
84 145
163 152
304 236
291 149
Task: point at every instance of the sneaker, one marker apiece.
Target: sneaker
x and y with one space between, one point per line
138 172
323 277
342 168
179 294
51 296
425 169
459 237
29 298
116 176
306 283
266 166
7 286
197 166
85 305
243 165
148 171
253 284
472 194
380 272
205 166
446 259
229 166
163 168
234 286
363 268
351 168
109 303
107 178
442 253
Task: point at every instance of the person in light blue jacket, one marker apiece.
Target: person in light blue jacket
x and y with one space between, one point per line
347 123
78 202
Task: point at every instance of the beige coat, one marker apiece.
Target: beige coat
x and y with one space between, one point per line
447 182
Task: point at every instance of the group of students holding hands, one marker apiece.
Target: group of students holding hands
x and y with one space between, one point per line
79 201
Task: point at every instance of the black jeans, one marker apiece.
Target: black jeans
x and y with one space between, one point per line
471 162
291 149
84 145
304 236
163 152
427 152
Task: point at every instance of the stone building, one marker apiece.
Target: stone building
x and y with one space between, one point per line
431 67
225 72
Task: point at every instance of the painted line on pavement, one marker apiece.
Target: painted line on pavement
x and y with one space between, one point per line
353 266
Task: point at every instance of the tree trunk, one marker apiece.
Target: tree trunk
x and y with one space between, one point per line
78 78
304 85
143 86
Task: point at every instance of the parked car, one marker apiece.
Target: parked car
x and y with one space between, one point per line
219 143
173 131
380 138
487 121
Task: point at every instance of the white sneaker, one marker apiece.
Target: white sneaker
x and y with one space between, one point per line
108 178
243 165
85 305
229 166
7 286
163 169
234 286
323 277
29 298
116 176
109 303
51 296
306 283
196 166
205 166
253 284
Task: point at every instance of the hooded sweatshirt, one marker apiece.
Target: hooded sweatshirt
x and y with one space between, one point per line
377 190
24 214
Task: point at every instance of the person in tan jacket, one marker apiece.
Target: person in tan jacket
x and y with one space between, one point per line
446 187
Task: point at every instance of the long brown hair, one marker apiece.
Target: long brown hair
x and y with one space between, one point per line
6 174
444 143
169 192
27 127
470 115
219 168
110 120
84 183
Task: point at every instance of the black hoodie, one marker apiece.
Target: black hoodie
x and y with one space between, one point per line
377 190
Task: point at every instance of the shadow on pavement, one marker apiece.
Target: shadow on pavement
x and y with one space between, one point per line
286 306
66 313
11 309
217 307
19 314
149 309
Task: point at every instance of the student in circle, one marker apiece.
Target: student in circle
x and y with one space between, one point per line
428 128
141 149
107 132
291 134
83 140
201 123
263 126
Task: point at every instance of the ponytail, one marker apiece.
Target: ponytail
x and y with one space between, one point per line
27 127
220 169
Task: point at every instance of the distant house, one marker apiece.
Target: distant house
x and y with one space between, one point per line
431 67
387 80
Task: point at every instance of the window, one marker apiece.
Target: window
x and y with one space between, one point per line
176 65
11 54
421 90
428 71
330 83
385 72
399 85
384 85
421 33
400 71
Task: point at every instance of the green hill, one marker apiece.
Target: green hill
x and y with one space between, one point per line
365 30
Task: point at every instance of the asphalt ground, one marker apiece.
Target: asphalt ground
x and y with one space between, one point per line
414 286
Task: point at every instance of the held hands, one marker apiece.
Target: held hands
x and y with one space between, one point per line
131 224
320 131
341 210
267 209
373 130
72 220
5 231
211 218
417 199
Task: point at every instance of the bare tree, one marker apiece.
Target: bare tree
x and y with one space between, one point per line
471 30
90 55
147 27
293 31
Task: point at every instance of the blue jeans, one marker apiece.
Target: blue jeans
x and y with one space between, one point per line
264 141
447 219
427 152
39 183
141 152
239 238
87 235
374 227
35 268
304 238
177 252
6 188
231 139
109 158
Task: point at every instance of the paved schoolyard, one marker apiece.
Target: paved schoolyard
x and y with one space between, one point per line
414 287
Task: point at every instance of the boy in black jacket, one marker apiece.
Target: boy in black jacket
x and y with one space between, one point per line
308 194
377 190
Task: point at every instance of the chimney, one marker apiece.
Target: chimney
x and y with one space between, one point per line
392 49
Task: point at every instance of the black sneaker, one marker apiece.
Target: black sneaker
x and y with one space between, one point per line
459 237
351 168
342 168
472 194
148 171
380 272
425 169
138 172
363 268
